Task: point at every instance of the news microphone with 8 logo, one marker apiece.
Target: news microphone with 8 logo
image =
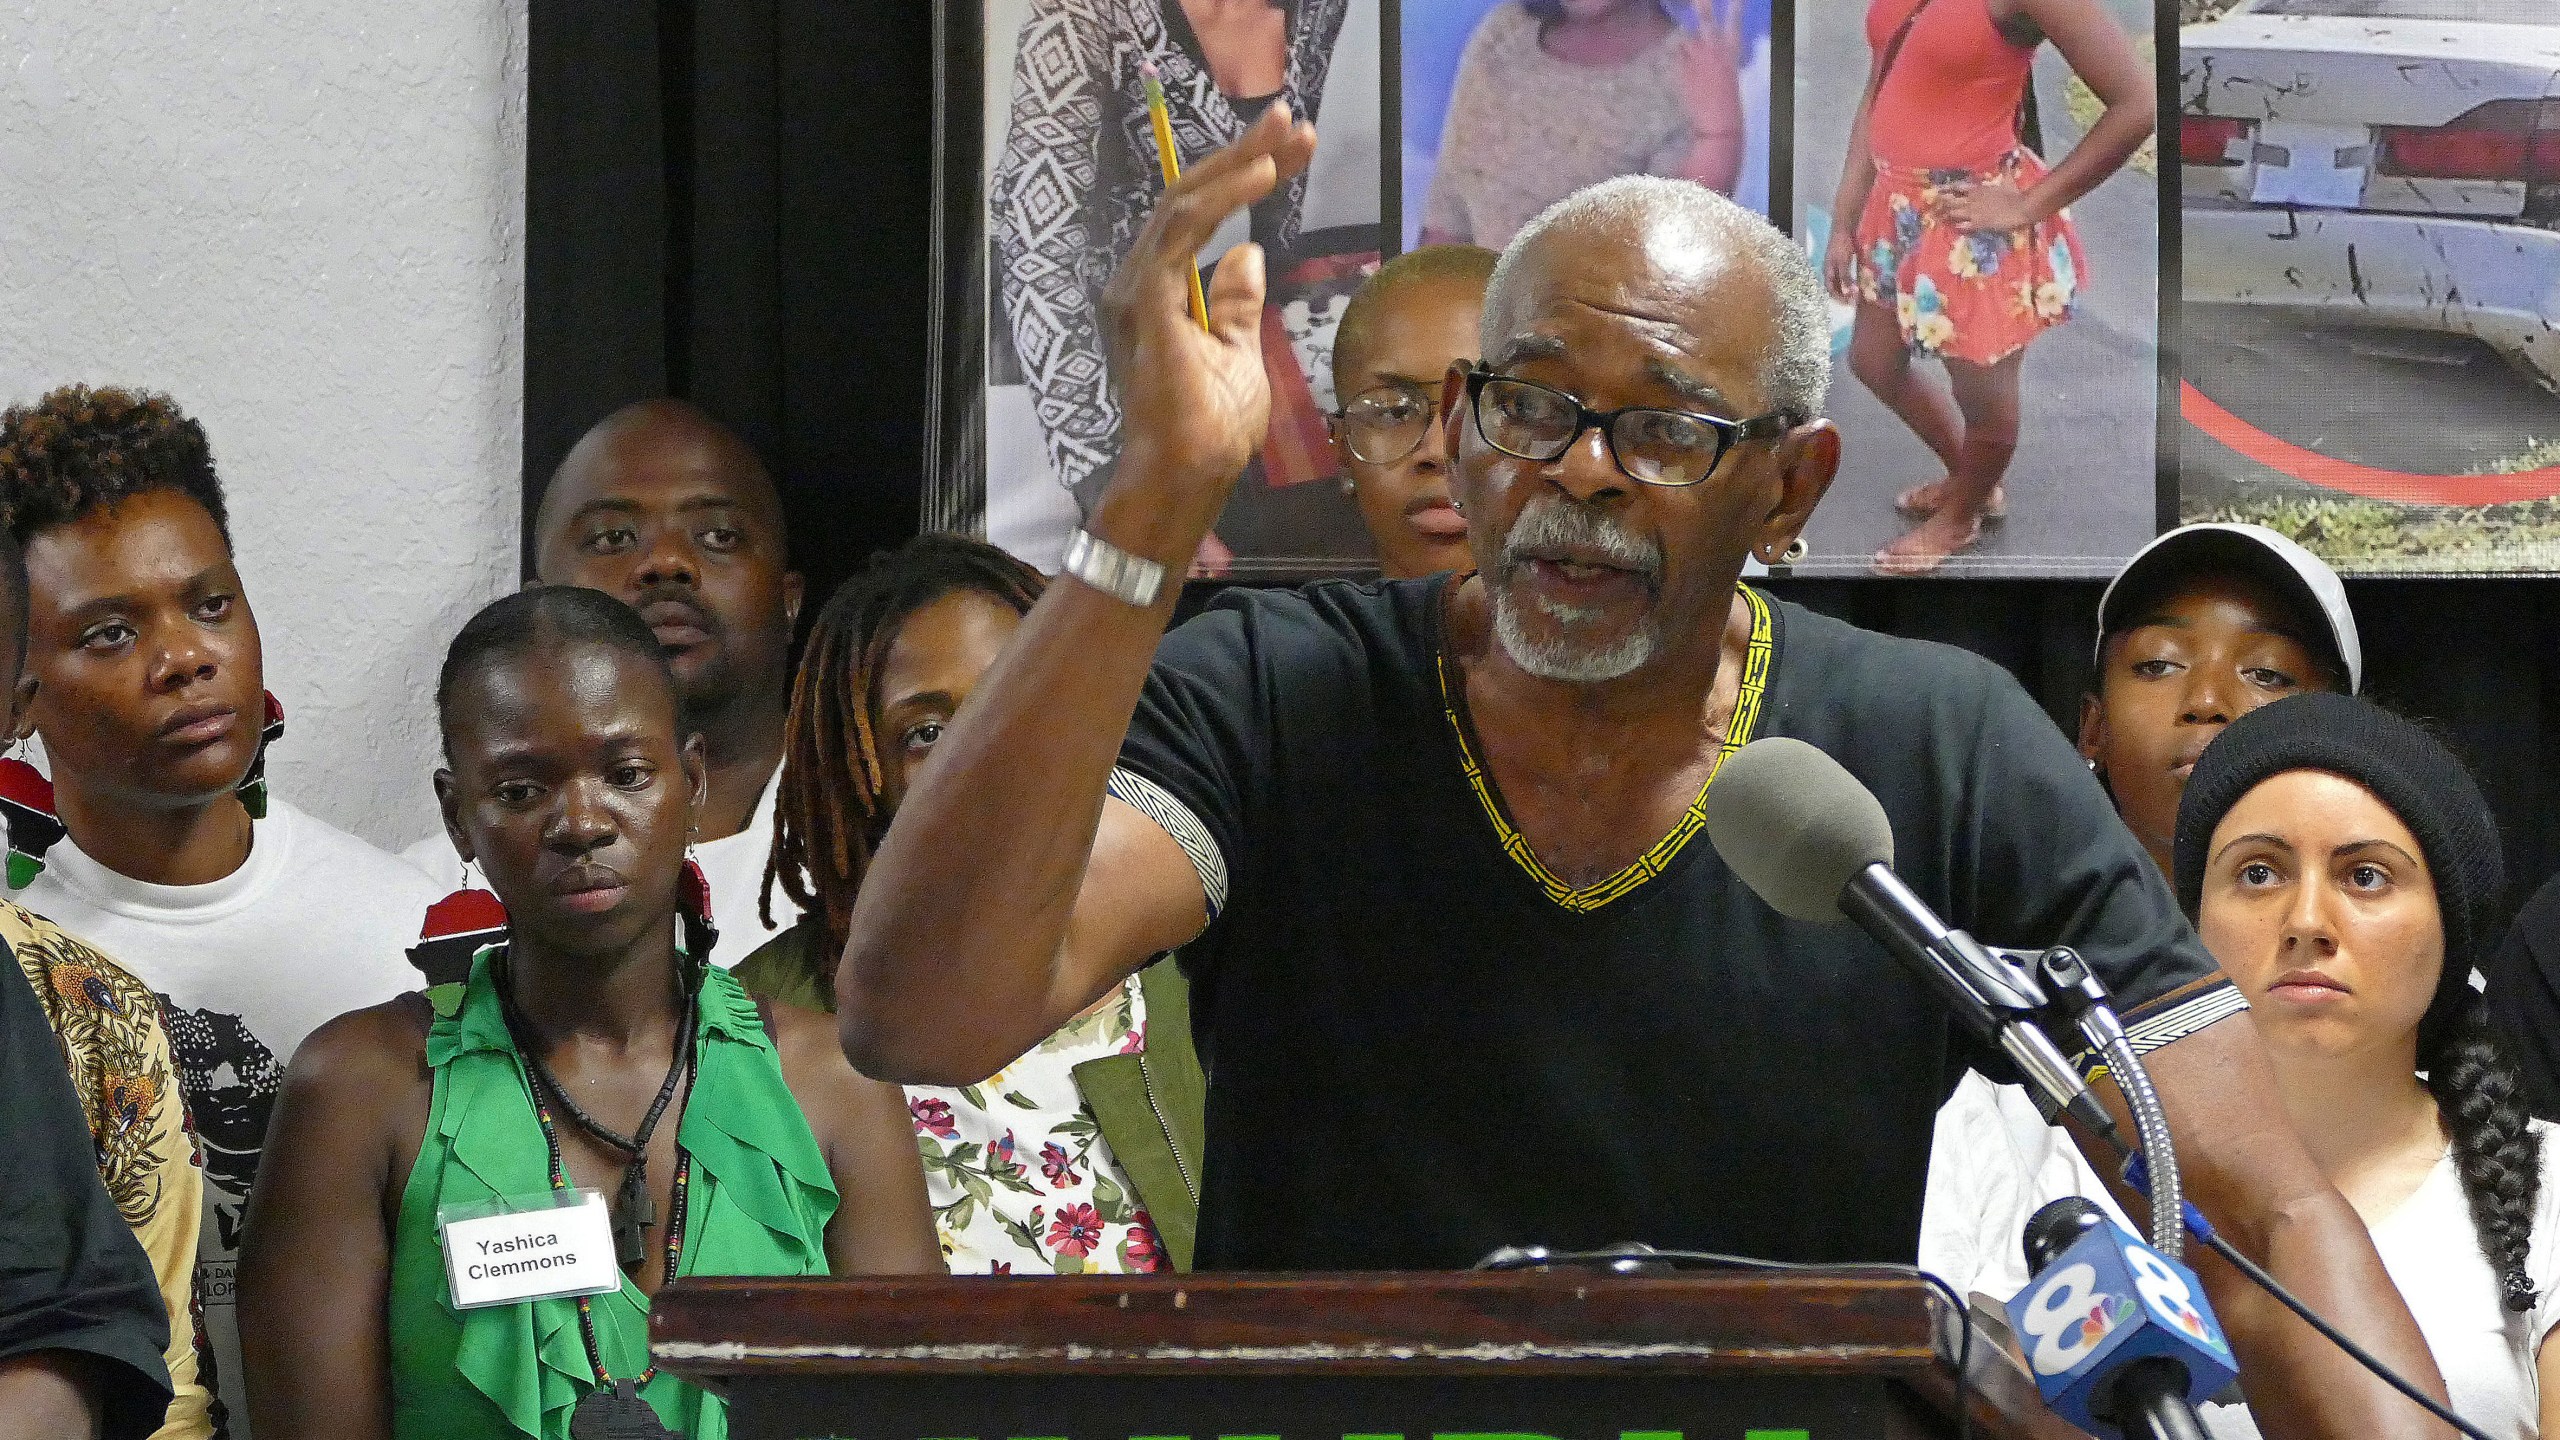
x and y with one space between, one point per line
2118 1336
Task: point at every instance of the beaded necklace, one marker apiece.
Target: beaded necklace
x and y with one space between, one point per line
539 1083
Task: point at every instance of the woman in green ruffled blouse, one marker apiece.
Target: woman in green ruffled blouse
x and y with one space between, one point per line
590 1048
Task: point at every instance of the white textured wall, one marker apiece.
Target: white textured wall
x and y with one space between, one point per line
305 221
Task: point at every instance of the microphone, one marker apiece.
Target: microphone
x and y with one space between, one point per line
2118 1336
1816 846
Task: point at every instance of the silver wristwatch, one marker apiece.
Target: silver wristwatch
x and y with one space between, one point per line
1115 572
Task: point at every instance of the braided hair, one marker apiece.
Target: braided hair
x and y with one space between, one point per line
2494 1147
828 815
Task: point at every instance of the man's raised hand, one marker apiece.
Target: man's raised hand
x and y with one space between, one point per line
1194 403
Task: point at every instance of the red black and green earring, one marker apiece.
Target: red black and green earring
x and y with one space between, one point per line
693 909
253 786
26 800
458 927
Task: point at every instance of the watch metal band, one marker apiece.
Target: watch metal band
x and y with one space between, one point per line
1132 579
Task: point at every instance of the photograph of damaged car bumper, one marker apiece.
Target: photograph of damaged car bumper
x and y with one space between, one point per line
2370 235
2341 161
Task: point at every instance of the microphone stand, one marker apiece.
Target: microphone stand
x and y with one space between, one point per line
2000 1001
2160 1411
2021 989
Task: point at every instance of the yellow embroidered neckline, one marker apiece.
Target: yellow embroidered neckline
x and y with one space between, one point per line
1737 733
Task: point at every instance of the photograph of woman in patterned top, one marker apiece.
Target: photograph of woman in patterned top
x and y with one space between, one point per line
1072 174
1511 105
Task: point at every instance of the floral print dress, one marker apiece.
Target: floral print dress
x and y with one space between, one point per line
1974 295
1021 1180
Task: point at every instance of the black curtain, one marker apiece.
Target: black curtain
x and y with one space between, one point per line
733 203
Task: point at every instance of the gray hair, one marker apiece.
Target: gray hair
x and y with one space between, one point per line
1798 376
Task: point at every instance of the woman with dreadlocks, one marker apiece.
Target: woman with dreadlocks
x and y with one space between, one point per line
1081 1155
2341 865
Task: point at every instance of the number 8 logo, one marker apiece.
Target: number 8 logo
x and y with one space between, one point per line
2054 1319
2166 1291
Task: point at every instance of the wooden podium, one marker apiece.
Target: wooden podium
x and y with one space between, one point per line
1523 1355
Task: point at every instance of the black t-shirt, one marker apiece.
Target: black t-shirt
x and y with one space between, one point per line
1420 1048
72 1277
2524 998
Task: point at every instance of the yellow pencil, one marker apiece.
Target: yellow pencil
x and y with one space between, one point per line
1171 165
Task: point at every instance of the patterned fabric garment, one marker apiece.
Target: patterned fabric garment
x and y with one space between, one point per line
1078 176
109 1028
1020 1177
1526 129
1979 295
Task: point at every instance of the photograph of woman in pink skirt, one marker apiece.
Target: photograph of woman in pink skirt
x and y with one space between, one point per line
1954 241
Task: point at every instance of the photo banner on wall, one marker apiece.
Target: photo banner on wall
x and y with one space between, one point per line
2358 343
1996 372
1064 171
1504 107
2370 217
1067 173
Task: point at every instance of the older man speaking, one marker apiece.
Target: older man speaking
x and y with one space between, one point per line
1468 974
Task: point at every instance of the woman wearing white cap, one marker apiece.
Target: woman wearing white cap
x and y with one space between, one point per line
2204 625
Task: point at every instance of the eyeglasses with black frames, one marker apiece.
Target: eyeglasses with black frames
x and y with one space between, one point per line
1530 421
1384 423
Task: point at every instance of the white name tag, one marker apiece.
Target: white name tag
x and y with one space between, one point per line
531 1249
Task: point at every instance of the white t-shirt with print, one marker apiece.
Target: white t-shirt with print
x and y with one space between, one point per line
734 864
314 924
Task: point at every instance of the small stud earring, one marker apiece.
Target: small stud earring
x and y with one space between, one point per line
1350 486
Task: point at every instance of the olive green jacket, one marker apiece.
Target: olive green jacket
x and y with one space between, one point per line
1150 1105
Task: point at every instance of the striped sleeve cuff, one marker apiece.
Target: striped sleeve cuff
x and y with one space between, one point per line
1175 819
2173 1017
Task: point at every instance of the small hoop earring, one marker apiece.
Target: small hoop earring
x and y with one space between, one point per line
1796 551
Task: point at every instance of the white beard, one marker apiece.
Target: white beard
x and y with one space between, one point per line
1547 520
1561 659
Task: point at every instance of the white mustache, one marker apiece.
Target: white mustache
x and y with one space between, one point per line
1549 523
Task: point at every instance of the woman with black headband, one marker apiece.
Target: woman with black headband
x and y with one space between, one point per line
470 1197
2341 865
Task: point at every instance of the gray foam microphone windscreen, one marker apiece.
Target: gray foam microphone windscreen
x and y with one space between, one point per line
1796 826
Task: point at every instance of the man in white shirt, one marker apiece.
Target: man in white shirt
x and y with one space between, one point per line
145 679
666 509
